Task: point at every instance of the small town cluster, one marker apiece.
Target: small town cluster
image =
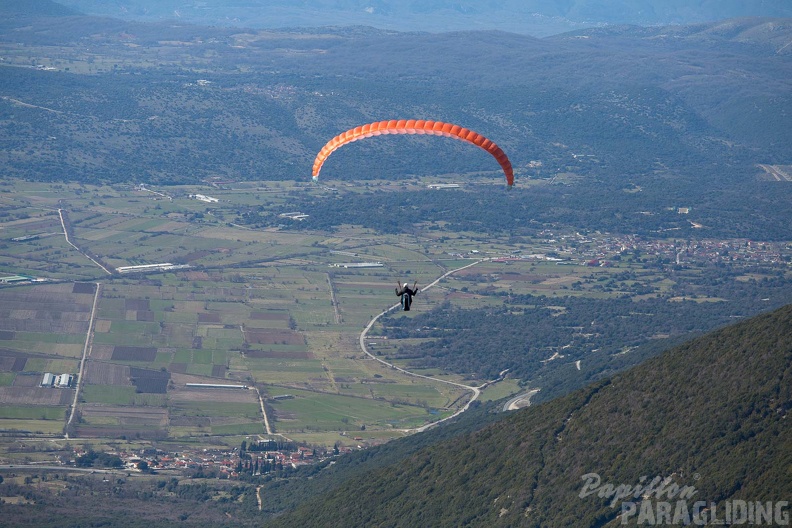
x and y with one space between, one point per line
599 249
256 458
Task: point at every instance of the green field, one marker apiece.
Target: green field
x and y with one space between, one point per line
202 408
31 412
254 307
35 426
326 412
108 394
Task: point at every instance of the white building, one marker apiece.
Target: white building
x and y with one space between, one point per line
214 386
203 198
444 186
296 215
143 268
357 265
63 381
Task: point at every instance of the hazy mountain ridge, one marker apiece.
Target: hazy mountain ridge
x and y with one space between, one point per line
769 33
713 413
35 8
615 106
539 17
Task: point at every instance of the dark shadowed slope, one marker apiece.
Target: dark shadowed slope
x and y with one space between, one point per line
713 414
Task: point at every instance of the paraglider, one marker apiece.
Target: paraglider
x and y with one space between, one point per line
405 293
413 126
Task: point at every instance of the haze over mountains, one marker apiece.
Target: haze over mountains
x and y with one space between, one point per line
534 17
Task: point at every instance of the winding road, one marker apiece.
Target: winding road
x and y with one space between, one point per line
520 401
475 390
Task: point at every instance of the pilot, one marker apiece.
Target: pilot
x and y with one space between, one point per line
406 293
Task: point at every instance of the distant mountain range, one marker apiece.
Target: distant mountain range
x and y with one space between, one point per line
711 416
676 110
533 17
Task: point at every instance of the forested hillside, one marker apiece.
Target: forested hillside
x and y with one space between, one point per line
526 330
711 414
596 205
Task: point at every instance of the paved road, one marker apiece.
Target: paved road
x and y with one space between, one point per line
518 402
86 352
68 240
777 173
475 390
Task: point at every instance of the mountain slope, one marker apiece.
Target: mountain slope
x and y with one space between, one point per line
712 414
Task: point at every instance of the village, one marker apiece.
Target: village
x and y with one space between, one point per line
601 249
253 459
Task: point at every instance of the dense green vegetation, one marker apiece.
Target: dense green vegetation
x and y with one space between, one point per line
527 330
310 481
92 458
712 414
488 209
114 499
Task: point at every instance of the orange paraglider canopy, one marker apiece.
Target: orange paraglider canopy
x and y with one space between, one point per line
413 126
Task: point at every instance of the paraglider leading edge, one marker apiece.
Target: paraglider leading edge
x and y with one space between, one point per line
413 126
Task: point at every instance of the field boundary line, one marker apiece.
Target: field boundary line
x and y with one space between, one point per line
68 240
86 350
